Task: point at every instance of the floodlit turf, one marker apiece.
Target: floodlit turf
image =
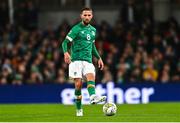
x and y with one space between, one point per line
166 112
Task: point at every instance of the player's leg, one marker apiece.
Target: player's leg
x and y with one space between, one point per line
89 73
94 99
75 72
78 96
90 78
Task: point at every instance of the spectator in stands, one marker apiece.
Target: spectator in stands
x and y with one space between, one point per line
150 73
107 77
165 73
61 76
18 79
176 75
6 71
3 81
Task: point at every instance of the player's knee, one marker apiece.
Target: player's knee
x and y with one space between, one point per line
90 77
78 85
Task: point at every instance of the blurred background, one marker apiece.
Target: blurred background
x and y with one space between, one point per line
139 41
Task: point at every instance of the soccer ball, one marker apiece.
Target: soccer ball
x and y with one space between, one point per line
109 109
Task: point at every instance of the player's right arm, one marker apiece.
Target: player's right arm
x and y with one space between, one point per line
69 38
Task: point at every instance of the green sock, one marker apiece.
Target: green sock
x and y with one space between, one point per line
78 99
91 87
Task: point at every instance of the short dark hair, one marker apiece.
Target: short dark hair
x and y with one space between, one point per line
86 9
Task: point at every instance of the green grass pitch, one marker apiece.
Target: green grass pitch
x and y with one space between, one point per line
152 112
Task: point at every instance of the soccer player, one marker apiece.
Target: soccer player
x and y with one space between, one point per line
82 36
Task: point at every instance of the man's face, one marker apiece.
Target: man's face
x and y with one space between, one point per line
86 16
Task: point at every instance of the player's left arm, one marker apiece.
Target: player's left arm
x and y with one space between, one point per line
96 54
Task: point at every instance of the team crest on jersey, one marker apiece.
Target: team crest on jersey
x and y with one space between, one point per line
82 32
93 33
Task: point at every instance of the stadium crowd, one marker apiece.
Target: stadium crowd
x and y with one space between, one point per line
133 50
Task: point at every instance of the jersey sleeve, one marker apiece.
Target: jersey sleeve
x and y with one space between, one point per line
69 38
94 35
95 52
72 34
64 45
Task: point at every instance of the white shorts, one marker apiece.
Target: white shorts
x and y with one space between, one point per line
78 69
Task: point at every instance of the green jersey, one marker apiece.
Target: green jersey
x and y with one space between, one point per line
82 38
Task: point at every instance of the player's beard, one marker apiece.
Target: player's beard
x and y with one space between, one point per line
86 22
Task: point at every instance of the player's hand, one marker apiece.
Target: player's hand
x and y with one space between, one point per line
100 64
67 58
